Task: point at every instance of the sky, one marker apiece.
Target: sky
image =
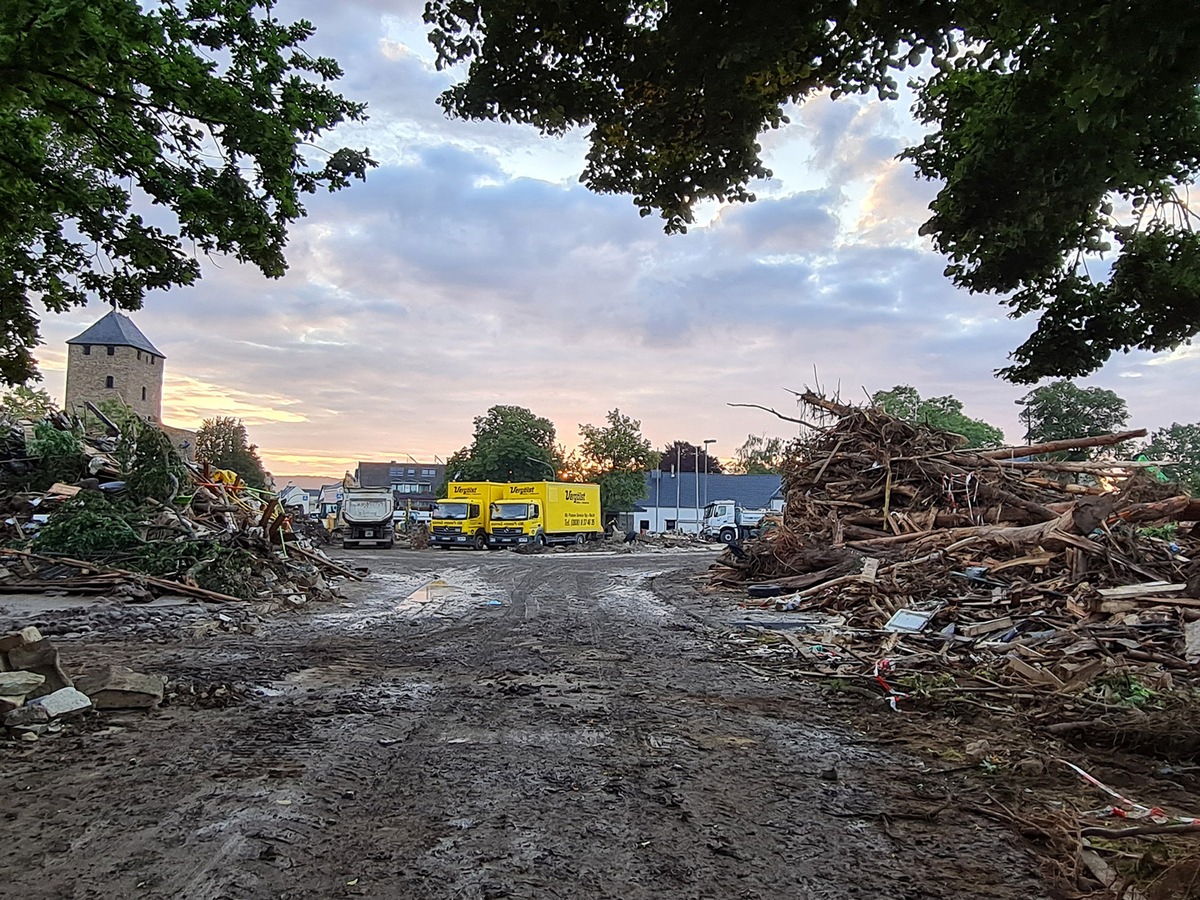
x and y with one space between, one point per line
472 269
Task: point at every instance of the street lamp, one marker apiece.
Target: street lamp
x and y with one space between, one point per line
553 474
706 443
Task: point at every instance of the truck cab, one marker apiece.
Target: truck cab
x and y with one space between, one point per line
461 518
517 522
458 523
728 522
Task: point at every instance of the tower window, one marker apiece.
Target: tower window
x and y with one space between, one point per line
112 351
143 393
108 381
87 349
139 354
153 360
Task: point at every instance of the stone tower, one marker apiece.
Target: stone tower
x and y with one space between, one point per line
113 359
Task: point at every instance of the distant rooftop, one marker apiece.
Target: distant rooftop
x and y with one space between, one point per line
688 489
119 331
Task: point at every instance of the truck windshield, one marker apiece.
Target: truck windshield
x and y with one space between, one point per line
710 510
510 512
450 511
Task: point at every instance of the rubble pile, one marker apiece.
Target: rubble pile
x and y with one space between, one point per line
999 572
124 516
37 695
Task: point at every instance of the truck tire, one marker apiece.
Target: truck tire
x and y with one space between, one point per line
540 540
480 542
728 535
581 538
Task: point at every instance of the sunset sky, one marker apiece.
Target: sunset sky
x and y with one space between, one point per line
472 269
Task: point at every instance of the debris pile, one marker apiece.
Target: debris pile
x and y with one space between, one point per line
1014 574
121 514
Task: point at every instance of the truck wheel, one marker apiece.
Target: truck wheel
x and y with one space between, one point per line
480 541
728 535
581 538
540 540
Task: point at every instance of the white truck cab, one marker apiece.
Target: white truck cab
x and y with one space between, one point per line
726 521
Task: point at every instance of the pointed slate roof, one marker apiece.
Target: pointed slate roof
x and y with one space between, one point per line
119 331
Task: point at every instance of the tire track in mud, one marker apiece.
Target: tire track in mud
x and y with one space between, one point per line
582 739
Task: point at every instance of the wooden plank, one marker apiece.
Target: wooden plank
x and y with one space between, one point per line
1034 674
1141 590
1037 559
1191 637
977 628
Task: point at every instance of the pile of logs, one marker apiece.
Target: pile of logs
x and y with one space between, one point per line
1039 571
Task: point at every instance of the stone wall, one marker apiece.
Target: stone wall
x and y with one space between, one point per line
137 378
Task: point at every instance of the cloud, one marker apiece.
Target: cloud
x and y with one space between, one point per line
472 269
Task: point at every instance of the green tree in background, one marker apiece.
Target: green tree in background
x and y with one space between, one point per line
615 456
945 413
1058 130
224 444
1062 410
510 444
25 403
1180 443
206 110
760 455
682 456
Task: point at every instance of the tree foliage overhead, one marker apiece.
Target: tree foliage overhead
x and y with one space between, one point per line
224 444
616 457
946 413
510 444
1062 410
198 107
681 456
1058 129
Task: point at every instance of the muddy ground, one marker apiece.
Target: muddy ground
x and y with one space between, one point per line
486 725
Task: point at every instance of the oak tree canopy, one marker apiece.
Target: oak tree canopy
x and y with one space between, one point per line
134 136
1063 132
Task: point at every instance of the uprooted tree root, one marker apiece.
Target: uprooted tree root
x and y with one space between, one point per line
1180 880
1054 837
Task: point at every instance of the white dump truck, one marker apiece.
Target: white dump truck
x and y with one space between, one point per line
726 521
367 514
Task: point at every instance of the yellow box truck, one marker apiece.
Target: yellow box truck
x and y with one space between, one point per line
545 512
461 518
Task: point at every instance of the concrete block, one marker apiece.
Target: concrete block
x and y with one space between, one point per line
40 657
8 704
120 688
64 702
21 638
18 684
27 715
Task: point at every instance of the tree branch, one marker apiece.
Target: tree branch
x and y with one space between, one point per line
777 413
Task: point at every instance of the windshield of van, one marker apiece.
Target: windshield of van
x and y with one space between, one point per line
450 511
510 512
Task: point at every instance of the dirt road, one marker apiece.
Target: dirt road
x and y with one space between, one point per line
474 725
